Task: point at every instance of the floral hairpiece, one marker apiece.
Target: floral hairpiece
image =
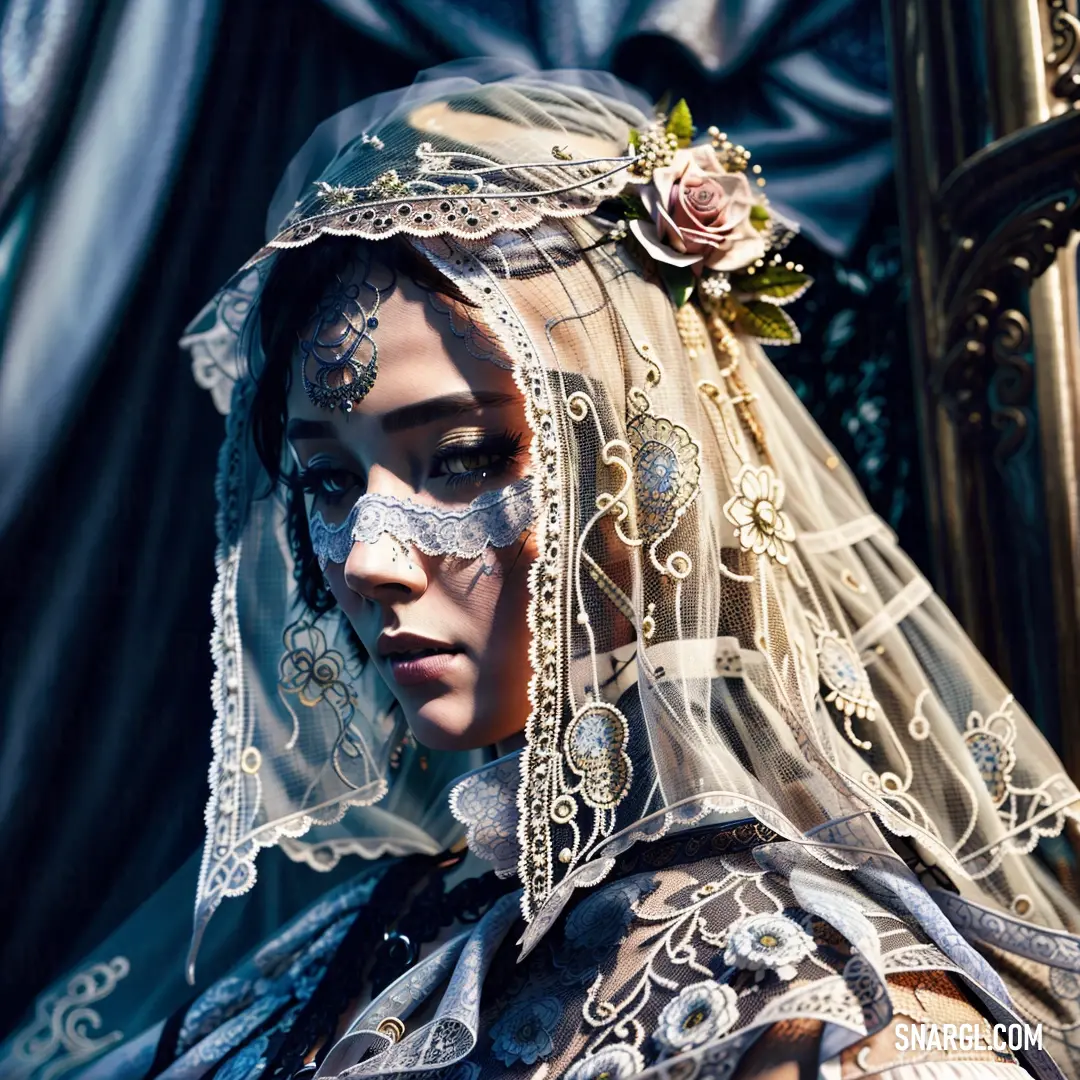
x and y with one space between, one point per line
710 232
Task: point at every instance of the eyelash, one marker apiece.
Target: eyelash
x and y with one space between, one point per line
503 449
332 484
318 481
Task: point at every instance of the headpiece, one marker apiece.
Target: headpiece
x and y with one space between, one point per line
339 357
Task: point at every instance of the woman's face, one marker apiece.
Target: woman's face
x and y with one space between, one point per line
439 427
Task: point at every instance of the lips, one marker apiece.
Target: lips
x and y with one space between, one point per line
416 654
414 660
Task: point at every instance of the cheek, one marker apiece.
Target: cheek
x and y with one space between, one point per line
500 700
510 622
492 596
351 605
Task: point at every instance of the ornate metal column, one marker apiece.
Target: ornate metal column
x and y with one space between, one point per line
987 99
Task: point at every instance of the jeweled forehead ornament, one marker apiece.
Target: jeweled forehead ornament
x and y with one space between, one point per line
339 358
494 519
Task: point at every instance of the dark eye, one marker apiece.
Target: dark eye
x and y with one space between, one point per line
478 460
460 464
328 484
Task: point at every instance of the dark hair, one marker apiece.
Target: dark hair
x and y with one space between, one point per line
288 299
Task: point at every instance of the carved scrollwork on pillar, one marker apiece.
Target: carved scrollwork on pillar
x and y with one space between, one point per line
986 379
1063 60
1012 383
961 381
990 186
987 376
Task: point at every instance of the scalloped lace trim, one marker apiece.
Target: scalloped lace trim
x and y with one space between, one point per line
494 519
485 802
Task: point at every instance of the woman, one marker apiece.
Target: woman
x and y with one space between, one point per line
506 467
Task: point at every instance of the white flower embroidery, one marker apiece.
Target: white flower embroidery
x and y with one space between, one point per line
768 942
619 1061
761 526
701 1013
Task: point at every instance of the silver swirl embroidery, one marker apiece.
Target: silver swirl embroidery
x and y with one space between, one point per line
494 519
59 1037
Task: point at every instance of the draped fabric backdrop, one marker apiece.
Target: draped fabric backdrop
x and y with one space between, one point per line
140 143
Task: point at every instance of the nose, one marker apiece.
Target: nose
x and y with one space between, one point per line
386 571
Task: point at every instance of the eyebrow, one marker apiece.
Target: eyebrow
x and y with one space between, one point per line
439 408
409 416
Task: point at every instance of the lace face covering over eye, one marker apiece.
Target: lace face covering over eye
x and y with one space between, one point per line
494 519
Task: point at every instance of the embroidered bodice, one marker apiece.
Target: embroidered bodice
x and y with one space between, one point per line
691 946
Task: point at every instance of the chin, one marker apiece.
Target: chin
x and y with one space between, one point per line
446 724
441 726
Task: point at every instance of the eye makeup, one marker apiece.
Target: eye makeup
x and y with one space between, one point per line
466 456
327 480
474 456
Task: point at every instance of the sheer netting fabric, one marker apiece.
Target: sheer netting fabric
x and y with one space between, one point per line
720 623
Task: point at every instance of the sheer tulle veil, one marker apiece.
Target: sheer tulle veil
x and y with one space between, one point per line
720 623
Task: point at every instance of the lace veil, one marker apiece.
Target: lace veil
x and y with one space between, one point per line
720 622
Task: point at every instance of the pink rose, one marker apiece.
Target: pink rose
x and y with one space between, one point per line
699 215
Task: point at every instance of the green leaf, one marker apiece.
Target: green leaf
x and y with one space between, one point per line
680 282
632 208
773 284
759 217
680 123
767 323
635 139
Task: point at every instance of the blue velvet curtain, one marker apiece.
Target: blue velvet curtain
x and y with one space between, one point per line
140 142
